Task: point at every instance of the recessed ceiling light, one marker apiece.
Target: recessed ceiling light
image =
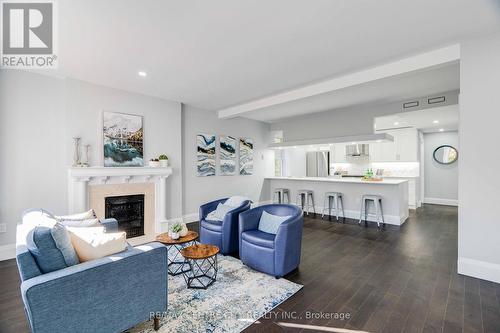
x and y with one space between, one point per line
142 73
441 130
435 122
396 123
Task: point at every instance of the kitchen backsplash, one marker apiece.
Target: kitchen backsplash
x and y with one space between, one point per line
391 169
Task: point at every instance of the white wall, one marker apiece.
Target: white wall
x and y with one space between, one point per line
479 185
39 117
32 147
199 190
440 181
161 121
344 121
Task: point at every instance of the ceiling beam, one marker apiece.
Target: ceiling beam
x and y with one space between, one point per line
439 57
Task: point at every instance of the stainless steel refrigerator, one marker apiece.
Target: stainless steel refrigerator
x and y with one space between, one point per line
318 164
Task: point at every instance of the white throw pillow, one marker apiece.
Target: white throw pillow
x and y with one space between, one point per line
81 223
90 214
219 213
93 243
235 201
85 219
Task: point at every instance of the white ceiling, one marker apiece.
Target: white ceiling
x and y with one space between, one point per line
411 85
446 116
214 54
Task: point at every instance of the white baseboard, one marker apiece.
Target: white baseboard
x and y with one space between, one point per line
353 214
479 269
7 251
439 201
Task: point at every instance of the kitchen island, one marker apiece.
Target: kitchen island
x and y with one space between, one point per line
394 193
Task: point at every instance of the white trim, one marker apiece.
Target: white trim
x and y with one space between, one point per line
440 201
190 218
479 269
354 214
7 251
442 56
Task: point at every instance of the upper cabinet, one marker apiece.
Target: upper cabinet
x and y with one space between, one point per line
403 149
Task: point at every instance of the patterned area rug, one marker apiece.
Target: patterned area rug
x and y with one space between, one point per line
237 299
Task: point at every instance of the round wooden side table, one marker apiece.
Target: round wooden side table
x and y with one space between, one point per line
175 262
202 261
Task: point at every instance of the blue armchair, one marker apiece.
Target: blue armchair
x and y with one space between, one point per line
278 254
223 234
109 294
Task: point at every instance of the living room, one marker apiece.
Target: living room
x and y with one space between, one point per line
157 172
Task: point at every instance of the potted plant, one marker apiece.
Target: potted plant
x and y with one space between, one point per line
154 162
163 160
174 230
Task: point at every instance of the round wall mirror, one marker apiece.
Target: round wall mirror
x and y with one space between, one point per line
445 154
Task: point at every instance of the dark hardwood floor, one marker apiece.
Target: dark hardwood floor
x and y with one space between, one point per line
397 280
394 280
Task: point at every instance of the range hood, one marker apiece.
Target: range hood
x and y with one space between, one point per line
366 138
357 150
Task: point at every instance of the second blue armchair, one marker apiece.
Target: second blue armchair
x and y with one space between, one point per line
223 234
275 255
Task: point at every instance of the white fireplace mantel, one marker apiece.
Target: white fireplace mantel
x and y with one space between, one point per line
81 178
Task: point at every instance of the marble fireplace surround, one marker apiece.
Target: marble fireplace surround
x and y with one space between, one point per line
88 187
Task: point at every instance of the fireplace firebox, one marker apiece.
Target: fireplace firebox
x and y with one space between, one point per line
128 210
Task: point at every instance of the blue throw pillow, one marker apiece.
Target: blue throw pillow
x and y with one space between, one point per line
270 223
51 248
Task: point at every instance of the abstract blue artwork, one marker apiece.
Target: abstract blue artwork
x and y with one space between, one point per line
122 140
246 156
227 155
206 155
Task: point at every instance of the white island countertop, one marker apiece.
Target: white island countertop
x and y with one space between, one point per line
385 181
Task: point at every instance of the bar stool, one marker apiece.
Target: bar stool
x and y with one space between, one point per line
280 192
377 203
304 196
337 199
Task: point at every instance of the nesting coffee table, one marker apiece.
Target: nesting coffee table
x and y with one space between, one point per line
176 264
202 261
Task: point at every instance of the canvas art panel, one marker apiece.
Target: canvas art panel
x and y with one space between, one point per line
123 144
205 163
227 155
246 156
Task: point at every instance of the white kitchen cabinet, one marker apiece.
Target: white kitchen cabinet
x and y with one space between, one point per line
404 148
412 190
339 153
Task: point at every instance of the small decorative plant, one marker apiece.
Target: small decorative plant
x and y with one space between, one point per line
175 229
163 160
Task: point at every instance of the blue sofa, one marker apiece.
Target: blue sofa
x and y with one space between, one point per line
109 294
275 255
223 234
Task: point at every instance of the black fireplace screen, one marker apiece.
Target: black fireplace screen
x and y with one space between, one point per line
128 210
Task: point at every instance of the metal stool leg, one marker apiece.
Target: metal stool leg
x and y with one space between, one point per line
329 208
306 203
342 203
361 210
382 213
324 207
312 200
336 199
377 212
366 212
